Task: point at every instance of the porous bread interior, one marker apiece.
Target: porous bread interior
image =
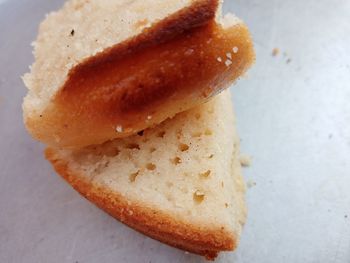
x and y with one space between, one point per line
182 167
82 29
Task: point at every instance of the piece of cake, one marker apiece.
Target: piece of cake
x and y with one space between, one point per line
107 69
179 182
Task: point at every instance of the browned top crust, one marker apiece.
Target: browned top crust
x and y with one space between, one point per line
173 66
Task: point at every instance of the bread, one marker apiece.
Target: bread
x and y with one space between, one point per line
179 182
108 69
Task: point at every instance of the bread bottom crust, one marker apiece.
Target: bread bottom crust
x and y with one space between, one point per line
149 221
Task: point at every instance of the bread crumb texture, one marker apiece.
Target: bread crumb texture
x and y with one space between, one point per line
187 168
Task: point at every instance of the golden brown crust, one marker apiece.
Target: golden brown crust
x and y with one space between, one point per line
149 221
169 68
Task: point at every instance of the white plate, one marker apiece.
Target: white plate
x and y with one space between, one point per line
294 119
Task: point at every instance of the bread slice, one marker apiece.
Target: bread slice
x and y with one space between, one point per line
107 69
179 182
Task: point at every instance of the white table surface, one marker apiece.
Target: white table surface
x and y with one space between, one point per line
294 119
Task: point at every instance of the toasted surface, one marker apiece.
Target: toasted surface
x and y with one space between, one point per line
179 182
137 68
